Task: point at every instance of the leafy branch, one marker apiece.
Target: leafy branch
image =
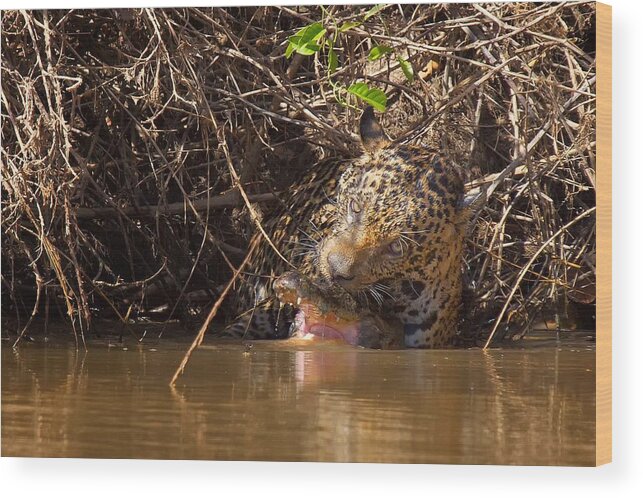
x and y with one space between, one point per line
320 38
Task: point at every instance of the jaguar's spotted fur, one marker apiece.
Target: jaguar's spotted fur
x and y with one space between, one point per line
392 235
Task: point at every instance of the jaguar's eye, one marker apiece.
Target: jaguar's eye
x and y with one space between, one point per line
395 248
354 207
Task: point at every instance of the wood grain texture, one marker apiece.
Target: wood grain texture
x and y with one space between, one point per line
604 234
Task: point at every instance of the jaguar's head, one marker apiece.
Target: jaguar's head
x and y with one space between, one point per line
397 208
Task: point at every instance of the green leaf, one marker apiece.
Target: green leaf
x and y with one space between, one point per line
304 41
289 50
407 69
374 10
378 51
372 96
303 48
332 60
311 32
349 25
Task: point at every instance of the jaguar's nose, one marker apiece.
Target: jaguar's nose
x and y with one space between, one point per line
340 268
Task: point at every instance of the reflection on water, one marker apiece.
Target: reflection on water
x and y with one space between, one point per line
279 402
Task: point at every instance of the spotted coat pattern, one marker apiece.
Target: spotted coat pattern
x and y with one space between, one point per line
389 228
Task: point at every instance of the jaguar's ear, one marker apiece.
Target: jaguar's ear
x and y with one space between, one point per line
371 132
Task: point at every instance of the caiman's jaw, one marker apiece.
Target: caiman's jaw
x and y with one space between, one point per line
331 314
316 317
310 324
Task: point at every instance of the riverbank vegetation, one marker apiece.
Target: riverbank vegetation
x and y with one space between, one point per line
142 148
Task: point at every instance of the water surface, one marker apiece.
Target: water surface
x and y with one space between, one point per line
317 403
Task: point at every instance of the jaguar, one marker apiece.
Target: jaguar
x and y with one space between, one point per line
387 229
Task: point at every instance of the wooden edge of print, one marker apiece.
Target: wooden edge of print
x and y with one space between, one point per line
604 234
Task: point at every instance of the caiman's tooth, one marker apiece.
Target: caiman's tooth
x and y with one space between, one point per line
298 301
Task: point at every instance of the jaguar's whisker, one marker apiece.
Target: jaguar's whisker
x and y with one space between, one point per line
383 290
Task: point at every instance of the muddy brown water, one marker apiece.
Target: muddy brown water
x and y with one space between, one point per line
529 404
